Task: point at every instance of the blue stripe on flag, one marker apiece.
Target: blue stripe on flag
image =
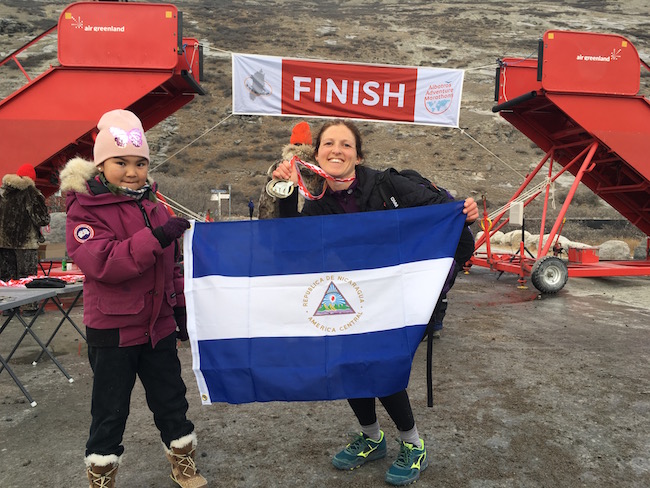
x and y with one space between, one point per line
376 362
309 368
325 243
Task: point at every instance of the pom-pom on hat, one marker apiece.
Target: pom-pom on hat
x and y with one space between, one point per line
120 134
28 171
301 134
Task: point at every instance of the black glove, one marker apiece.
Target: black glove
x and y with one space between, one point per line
180 315
171 230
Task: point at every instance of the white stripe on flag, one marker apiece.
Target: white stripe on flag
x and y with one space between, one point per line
284 306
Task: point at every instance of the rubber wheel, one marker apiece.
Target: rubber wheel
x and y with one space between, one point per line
549 274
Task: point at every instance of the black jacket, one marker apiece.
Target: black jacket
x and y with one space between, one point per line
368 198
366 193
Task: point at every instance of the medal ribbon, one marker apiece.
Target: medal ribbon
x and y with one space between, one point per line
302 188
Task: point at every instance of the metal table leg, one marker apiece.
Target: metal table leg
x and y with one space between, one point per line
28 330
66 316
17 381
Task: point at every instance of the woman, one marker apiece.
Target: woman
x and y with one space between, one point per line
353 188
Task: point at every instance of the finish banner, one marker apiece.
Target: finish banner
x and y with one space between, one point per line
268 85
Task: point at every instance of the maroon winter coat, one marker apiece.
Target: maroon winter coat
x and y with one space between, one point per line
132 283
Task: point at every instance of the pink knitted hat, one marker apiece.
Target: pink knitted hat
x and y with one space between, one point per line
120 134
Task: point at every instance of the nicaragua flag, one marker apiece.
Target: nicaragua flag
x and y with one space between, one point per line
314 308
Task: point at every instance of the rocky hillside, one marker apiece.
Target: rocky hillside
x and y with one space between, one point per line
204 147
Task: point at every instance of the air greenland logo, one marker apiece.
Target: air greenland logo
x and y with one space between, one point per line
78 23
333 303
615 55
438 97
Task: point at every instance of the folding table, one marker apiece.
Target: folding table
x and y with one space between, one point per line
77 288
11 299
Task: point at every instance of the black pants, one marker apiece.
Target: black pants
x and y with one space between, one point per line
397 405
115 370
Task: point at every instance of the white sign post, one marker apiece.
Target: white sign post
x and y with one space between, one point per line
219 195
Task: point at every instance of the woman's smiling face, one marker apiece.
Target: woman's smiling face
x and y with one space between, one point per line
337 153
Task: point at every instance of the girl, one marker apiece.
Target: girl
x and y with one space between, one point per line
124 241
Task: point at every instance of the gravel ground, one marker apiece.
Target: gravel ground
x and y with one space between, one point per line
528 391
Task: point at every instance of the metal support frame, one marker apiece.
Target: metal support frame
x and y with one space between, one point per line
521 265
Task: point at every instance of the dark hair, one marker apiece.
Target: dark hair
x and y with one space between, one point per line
350 125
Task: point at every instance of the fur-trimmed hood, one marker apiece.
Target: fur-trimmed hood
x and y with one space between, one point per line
303 151
22 213
75 174
18 182
268 206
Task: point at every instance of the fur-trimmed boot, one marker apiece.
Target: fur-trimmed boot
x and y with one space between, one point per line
181 457
101 470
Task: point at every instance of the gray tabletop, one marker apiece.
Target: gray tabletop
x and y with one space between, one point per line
12 297
69 288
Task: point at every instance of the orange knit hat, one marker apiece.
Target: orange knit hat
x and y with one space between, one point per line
301 134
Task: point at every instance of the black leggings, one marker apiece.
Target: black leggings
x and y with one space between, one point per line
397 405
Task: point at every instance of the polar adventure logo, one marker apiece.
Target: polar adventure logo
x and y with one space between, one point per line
438 97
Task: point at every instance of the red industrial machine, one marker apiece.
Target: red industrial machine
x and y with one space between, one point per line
579 102
111 55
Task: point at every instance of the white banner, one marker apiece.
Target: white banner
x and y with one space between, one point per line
268 85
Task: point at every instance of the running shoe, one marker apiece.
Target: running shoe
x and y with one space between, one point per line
410 462
361 450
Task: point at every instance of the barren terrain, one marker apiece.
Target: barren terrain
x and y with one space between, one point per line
204 147
528 392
